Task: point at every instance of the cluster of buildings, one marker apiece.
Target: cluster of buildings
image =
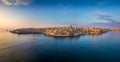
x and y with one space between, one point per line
74 31
64 31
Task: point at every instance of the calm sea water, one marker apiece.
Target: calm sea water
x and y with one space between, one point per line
40 48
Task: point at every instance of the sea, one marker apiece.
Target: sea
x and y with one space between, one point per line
41 48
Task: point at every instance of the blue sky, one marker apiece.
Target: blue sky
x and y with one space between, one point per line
63 11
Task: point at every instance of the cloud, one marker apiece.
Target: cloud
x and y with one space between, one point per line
16 2
6 2
105 17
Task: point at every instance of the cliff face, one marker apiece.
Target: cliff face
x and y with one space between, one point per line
116 29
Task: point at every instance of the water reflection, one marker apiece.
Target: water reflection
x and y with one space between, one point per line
76 38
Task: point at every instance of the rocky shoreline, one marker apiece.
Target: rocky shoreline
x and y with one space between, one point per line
61 31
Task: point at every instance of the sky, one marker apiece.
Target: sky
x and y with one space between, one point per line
48 13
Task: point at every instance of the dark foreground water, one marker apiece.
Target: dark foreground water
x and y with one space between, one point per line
40 48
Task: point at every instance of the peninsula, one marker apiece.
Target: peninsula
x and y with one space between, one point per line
61 31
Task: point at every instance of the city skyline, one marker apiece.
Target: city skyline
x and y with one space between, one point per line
46 13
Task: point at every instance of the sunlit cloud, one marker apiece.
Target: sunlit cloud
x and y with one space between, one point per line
6 2
16 2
